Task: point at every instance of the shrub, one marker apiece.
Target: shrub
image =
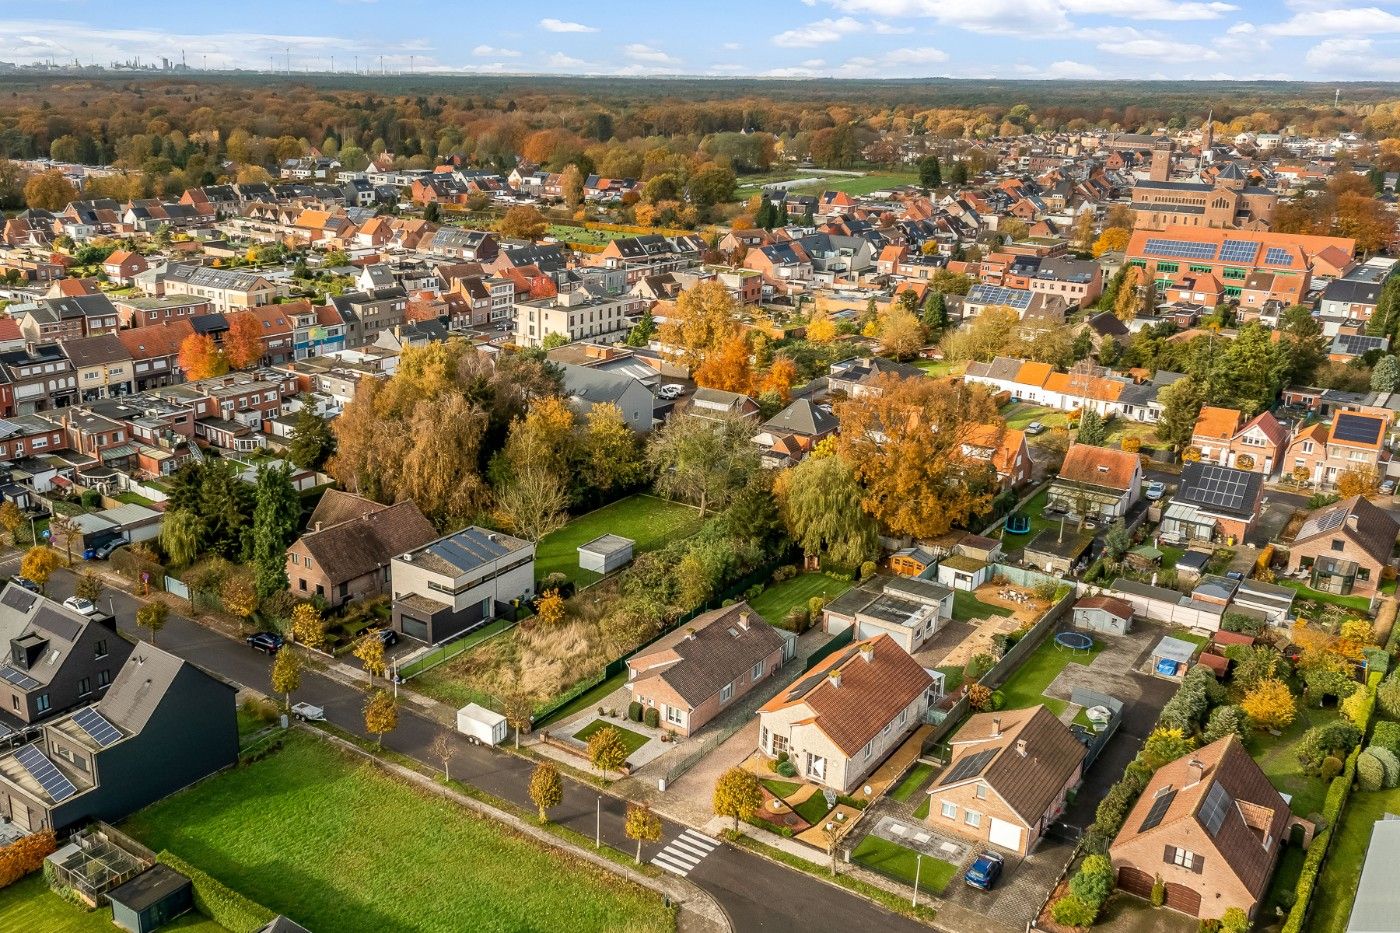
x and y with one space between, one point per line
652 717
1390 764
1073 912
1159 892
998 700
224 906
787 769
1330 738
815 605
785 572
1208 925
1094 880
1388 694
1223 721
1113 808
1370 773
1323 683
976 666
1235 920
1241 623
1331 767
634 711
979 697
24 856
867 570
1387 735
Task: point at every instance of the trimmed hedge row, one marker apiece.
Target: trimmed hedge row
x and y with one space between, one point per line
217 901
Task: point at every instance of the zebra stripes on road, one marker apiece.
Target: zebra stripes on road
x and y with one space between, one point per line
684 852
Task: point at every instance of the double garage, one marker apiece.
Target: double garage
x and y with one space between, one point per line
1179 897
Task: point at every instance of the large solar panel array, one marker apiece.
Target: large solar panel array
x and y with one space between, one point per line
1179 249
1360 344
1358 429
971 766
1213 810
52 780
1277 256
1017 298
94 724
1238 251
1220 486
18 678
1159 808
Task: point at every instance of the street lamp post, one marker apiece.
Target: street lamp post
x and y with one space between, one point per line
918 864
598 825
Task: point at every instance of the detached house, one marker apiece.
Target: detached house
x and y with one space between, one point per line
1213 503
1104 482
1210 826
1008 778
1005 448
450 585
1345 547
699 670
791 434
347 548
839 721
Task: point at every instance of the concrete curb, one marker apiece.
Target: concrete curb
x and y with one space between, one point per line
706 912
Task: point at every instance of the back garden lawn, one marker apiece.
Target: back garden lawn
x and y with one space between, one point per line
649 521
778 600
337 844
1027 685
30 906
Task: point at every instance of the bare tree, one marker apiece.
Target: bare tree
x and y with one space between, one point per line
444 751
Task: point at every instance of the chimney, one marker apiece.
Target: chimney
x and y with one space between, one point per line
1197 770
835 678
744 620
317 528
996 727
867 653
1021 747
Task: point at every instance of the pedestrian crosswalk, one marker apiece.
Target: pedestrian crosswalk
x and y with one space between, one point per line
685 852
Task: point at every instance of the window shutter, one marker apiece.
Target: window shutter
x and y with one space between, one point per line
1198 863
1169 854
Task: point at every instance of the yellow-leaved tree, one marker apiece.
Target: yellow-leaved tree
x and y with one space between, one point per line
381 714
546 788
737 794
307 627
1270 705
642 825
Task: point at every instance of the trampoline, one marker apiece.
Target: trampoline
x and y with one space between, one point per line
1018 524
1074 641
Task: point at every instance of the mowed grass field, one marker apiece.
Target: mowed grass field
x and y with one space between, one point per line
29 906
335 843
649 521
779 599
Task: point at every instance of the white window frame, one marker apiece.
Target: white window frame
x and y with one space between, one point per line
972 818
726 693
949 811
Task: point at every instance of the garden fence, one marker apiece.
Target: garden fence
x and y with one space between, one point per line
836 644
690 759
451 649
1029 642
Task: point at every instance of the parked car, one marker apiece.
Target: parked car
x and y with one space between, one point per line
1155 490
1388 488
26 583
80 605
985 871
670 392
388 636
1034 428
102 551
266 642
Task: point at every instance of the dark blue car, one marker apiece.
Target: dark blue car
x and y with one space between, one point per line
985 871
266 642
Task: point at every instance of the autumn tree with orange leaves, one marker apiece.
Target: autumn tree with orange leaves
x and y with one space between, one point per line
243 344
903 439
729 366
200 358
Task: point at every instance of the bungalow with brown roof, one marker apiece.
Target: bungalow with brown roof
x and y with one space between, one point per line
1210 826
1345 548
839 721
1007 779
1097 482
350 558
699 670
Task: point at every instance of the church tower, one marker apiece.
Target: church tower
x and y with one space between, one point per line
1208 132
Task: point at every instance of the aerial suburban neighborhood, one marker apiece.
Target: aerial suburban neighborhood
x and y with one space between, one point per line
875 465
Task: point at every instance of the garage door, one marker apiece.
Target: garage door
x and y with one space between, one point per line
1006 835
1184 899
1135 881
414 628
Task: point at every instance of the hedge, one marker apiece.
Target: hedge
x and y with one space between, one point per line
217 901
25 856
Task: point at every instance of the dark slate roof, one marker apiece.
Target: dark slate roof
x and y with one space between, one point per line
1027 783
802 417
150 887
1220 490
359 546
139 687
1370 526
713 649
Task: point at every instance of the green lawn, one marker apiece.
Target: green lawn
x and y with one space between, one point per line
896 861
335 843
30 907
650 522
813 808
586 699
1026 687
780 789
1170 555
952 677
1020 414
630 740
912 782
858 186
1278 758
921 811
1336 888
132 498
570 233
966 606
941 367
778 600
1035 511
1359 603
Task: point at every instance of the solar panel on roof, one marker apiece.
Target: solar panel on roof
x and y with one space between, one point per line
54 782
1238 251
18 678
971 766
1356 428
94 724
998 295
1277 256
1213 810
1159 809
1179 249
1220 486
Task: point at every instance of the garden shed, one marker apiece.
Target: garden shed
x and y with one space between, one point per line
605 553
151 899
1104 614
1172 657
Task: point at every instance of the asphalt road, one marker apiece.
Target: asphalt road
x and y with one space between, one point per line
757 894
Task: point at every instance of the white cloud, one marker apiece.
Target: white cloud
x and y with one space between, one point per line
915 56
1031 17
1151 9
560 60
1069 69
488 51
1352 58
551 24
823 30
1351 22
645 53
1163 49
731 46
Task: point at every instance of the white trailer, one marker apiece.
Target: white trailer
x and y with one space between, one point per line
481 724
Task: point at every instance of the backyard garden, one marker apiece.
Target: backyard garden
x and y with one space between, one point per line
648 521
30 906
1026 687
265 829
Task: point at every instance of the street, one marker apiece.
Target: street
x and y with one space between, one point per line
755 893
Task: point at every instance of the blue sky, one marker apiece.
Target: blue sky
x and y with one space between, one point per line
1169 39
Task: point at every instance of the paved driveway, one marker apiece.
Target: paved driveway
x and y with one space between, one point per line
1024 885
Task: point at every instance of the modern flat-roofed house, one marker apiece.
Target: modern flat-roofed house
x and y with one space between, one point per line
1008 778
908 609
446 586
1104 482
162 725
840 720
1345 547
697 671
1210 825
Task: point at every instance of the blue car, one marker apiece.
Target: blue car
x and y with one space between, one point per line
985 871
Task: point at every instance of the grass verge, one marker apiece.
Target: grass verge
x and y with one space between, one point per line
896 861
912 781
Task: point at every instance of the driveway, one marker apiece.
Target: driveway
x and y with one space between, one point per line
1025 884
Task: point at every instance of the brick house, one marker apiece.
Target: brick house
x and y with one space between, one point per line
1345 547
1321 452
348 546
700 669
1107 481
1007 450
839 721
1222 436
1007 779
1213 503
1210 826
